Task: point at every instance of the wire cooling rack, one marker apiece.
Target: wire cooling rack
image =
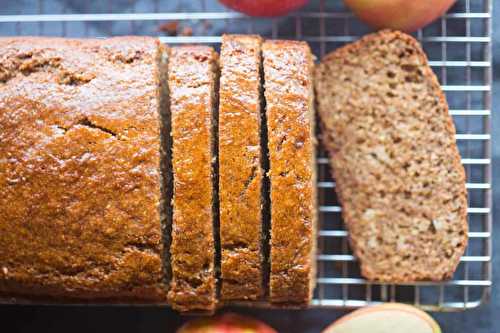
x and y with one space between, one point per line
458 46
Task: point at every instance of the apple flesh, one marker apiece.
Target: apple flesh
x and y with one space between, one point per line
227 323
387 318
405 15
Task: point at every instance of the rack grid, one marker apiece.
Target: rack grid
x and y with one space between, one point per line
459 49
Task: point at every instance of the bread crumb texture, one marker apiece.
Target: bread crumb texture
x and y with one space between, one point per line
391 140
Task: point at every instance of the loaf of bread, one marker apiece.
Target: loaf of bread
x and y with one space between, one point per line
398 174
108 168
192 79
240 168
80 169
288 69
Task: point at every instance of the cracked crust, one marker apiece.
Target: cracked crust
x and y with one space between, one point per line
288 67
240 171
397 167
79 169
192 78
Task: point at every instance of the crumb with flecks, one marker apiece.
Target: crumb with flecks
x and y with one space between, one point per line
392 146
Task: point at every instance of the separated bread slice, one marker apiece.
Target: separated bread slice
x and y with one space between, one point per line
397 167
192 78
288 74
80 169
240 170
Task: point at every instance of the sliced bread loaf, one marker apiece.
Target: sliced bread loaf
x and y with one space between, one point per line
288 69
192 80
240 170
398 174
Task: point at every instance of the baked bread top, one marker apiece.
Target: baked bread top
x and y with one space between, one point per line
288 67
79 168
240 168
192 80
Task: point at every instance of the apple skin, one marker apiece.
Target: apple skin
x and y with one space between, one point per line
404 15
390 309
264 8
227 323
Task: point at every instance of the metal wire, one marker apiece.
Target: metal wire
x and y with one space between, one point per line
462 59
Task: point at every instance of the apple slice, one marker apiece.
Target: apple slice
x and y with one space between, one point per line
227 323
402 15
386 318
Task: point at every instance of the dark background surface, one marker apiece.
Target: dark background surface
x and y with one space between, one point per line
485 319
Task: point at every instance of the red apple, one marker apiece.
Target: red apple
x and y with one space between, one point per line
227 323
405 15
264 7
391 318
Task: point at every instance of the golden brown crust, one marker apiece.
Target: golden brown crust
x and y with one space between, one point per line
290 119
191 81
240 171
399 176
79 169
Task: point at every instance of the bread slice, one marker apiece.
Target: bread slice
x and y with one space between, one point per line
192 80
80 170
397 167
240 168
288 69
